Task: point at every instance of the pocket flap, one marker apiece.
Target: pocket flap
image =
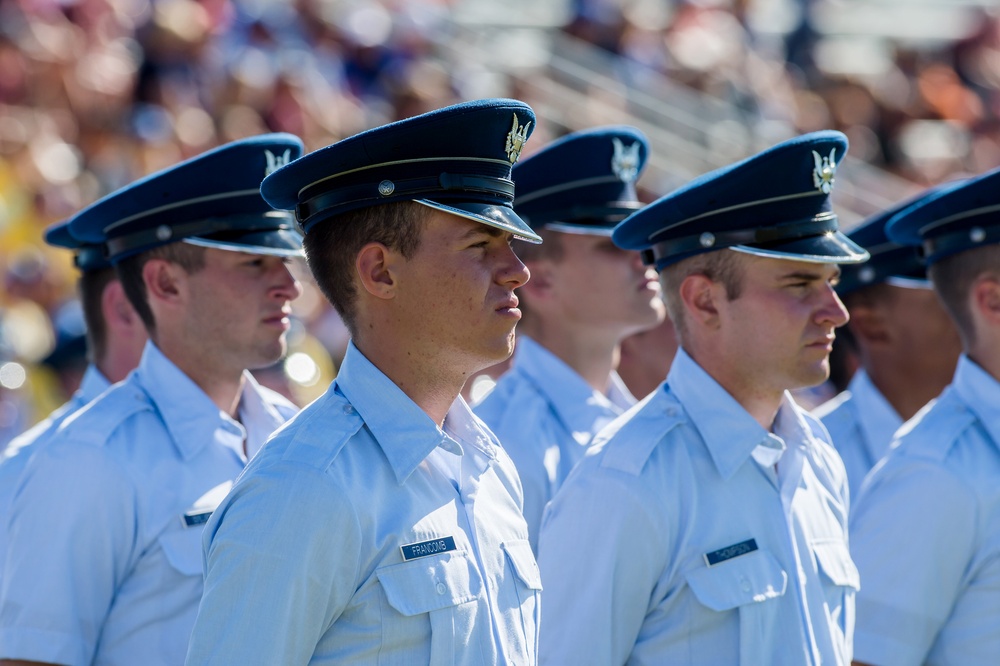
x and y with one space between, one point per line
183 550
835 562
747 579
523 562
430 583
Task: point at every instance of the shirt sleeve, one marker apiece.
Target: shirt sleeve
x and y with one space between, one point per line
283 549
913 534
601 553
72 529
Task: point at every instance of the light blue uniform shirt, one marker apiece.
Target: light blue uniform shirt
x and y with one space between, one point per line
346 541
14 458
926 534
545 416
861 423
673 485
104 560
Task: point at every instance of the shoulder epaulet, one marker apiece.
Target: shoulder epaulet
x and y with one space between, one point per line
932 431
629 440
95 422
319 432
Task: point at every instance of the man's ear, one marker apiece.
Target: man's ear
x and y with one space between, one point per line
986 299
700 296
376 267
869 324
116 307
165 281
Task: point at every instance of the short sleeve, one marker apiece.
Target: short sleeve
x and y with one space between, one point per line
283 548
912 537
72 528
594 567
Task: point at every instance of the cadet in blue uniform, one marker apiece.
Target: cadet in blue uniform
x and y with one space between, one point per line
708 525
103 562
586 295
906 343
115 338
925 531
383 525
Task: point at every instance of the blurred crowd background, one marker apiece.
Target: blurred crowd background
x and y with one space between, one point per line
96 93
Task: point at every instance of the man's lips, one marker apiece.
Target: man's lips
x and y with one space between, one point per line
279 319
508 305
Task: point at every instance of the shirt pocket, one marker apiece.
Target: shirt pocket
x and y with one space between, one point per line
748 579
527 588
182 550
840 580
751 585
441 588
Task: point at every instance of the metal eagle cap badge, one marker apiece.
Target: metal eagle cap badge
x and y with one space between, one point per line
275 162
825 171
515 140
625 161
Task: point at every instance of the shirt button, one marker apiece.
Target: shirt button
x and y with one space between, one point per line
744 584
348 409
441 589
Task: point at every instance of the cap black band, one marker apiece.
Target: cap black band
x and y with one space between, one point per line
90 257
613 211
387 191
170 233
959 241
820 224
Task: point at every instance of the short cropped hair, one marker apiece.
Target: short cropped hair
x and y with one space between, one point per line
91 285
332 247
953 278
191 258
725 266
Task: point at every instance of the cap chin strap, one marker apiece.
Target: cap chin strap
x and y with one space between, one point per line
814 226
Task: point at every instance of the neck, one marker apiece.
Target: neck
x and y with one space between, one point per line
907 387
761 402
592 354
425 379
114 368
223 385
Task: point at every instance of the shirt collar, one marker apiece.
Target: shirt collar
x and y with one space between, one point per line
574 401
258 416
730 433
404 431
876 417
981 392
93 384
188 413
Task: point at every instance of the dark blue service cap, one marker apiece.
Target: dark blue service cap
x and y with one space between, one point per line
890 262
456 159
86 256
583 183
774 204
957 217
211 200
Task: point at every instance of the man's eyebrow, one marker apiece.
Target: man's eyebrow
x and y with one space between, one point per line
483 229
805 274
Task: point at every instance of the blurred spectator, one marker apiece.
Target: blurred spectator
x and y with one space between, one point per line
95 93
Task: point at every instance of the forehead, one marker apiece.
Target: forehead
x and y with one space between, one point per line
446 224
782 267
